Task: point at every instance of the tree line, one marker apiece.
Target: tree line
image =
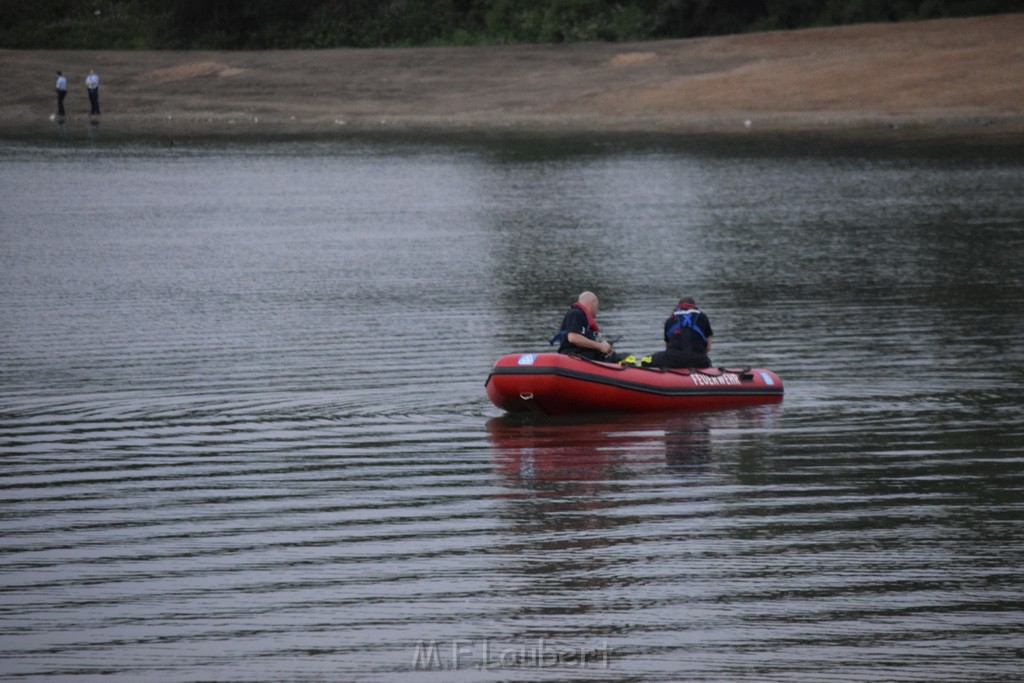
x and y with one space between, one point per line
305 24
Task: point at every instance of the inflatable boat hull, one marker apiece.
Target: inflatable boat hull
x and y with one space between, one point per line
556 384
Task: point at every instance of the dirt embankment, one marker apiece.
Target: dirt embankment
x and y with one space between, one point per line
944 77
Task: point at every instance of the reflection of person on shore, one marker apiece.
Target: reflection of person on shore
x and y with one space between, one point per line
687 338
62 92
92 85
580 334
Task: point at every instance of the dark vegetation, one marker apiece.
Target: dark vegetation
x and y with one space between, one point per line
288 24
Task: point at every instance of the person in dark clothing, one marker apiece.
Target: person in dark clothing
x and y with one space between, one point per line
687 338
580 333
92 86
62 92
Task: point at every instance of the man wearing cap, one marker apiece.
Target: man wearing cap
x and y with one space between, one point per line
687 338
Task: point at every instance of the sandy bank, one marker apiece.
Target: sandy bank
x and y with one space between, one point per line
935 78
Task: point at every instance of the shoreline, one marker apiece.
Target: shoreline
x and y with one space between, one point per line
950 79
969 133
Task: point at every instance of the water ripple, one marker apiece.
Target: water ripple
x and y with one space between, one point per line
245 437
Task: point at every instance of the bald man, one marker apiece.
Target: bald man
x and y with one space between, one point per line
580 332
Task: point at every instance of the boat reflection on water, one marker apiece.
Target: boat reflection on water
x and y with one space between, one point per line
531 450
596 508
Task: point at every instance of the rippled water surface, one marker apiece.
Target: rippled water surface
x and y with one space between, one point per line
244 432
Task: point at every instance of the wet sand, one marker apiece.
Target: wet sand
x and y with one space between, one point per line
943 78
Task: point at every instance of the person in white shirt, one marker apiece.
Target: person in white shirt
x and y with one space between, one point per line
62 92
92 84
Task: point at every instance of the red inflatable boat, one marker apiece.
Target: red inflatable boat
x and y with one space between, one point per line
557 384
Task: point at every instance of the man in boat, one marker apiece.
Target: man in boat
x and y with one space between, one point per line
581 335
687 338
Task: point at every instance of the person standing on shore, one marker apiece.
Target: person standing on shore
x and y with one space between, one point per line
92 84
62 92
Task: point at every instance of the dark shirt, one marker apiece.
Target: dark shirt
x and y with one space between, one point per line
576 321
687 340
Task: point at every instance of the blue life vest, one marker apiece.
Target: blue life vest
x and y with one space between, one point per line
686 318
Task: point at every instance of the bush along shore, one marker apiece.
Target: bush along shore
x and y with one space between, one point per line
318 24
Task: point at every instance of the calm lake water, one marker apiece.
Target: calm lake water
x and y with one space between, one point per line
244 432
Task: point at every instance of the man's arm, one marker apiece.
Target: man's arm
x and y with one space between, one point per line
577 339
